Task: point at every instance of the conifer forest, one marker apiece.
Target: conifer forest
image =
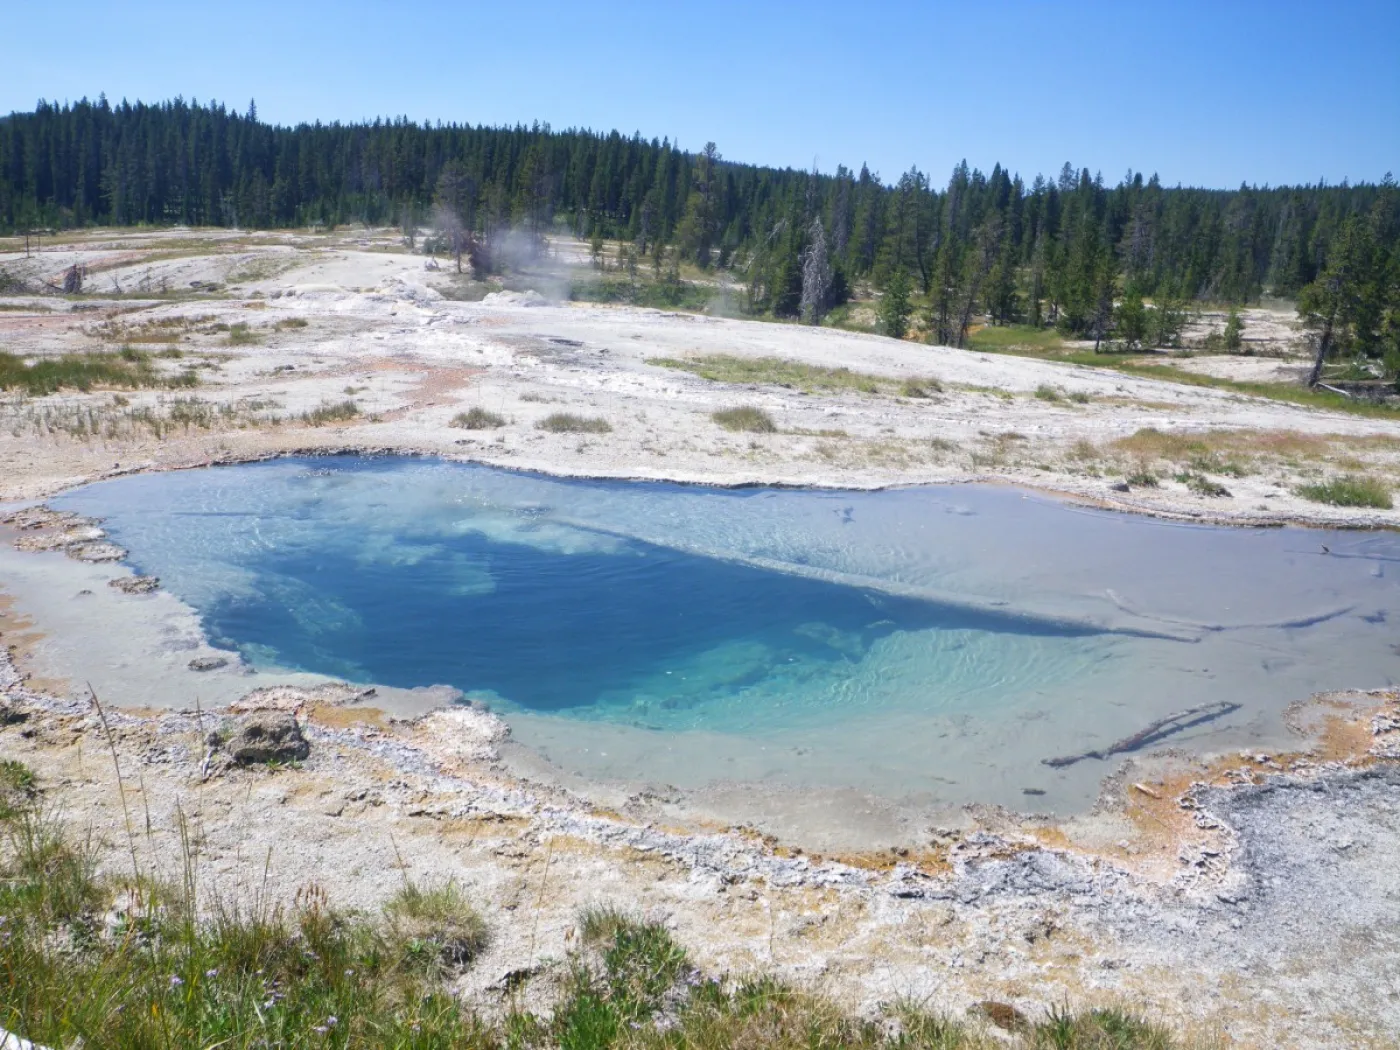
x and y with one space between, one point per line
1071 249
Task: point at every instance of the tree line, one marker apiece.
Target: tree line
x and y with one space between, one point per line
1069 250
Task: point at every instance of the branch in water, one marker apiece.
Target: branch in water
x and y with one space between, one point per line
1163 727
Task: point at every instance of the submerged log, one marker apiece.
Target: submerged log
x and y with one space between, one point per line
1163 727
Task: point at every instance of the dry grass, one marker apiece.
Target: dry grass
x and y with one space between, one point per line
745 418
777 371
568 423
339 412
477 418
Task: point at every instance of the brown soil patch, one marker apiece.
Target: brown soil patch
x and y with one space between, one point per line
344 717
19 634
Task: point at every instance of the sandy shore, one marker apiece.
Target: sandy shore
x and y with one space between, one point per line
1252 895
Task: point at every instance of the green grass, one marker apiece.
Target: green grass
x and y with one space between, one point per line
112 962
241 335
661 295
437 926
1350 491
338 412
1045 392
127 369
477 419
1045 343
1202 485
920 388
777 371
568 423
745 418
1022 340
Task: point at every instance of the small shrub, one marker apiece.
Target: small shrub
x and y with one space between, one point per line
436 926
331 413
745 418
241 335
1353 490
920 388
1079 397
1202 485
1045 392
291 322
1143 479
567 423
477 419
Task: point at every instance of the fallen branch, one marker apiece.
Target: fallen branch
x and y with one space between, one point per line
1159 729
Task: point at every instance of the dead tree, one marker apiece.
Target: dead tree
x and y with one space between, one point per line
816 276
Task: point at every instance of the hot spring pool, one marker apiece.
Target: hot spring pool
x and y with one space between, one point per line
922 644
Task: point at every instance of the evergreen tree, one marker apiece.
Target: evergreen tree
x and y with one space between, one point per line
895 309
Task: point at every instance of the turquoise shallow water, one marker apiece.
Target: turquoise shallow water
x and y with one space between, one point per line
927 642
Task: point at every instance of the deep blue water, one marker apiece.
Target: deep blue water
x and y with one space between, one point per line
562 630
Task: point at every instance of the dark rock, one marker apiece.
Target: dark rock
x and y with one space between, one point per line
208 663
135 584
267 736
1122 486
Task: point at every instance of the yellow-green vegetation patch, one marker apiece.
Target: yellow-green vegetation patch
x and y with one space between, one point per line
239 334
776 371
477 418
337 412
435 925
745 418
1235 452
1023 340
126 369
568 423
1350 491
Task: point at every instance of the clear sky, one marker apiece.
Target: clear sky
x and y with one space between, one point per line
1210 94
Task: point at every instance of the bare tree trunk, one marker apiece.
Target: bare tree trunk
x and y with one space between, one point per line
1324 344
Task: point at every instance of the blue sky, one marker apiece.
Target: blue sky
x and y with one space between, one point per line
1203 93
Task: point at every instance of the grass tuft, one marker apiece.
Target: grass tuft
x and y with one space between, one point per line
240 334
331 413
746 418
477 419
1202 485
568 423
1354 490
126 369
436 925
776 371
920 388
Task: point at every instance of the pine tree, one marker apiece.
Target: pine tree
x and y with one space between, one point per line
1234 331
894 309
